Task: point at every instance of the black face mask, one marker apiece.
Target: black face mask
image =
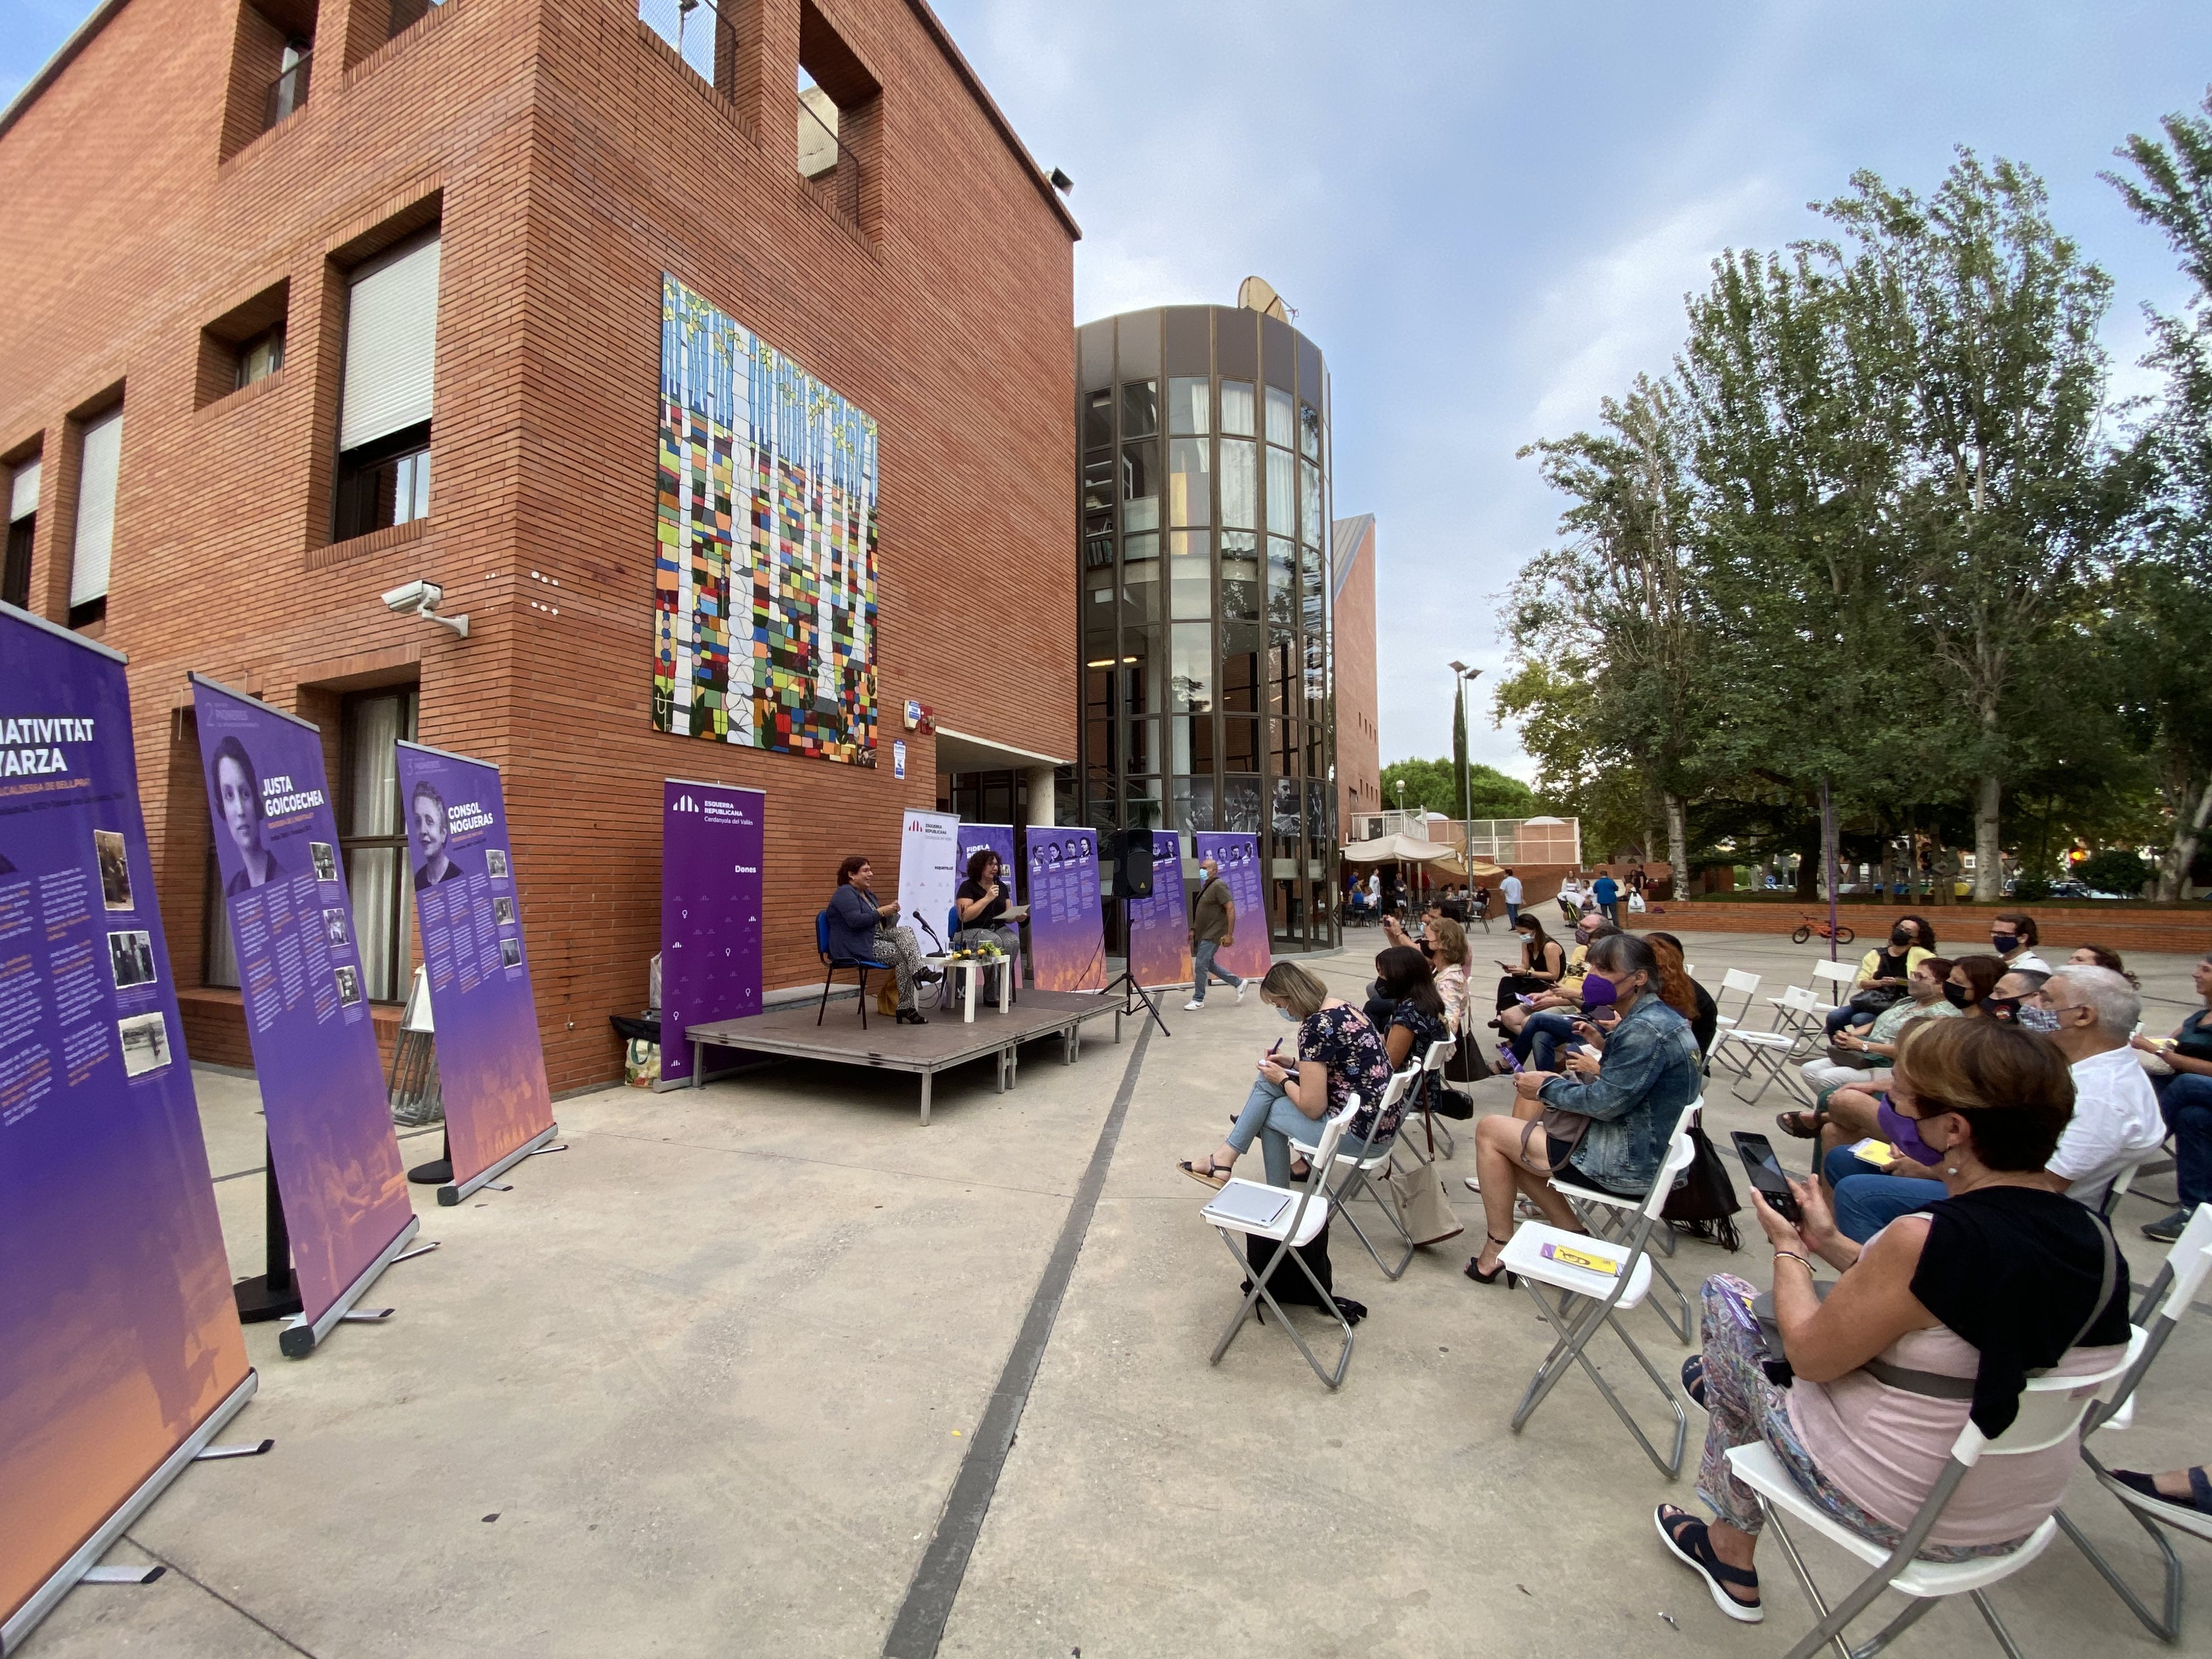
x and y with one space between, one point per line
1956 995
2004 944
2003 1008
1899 939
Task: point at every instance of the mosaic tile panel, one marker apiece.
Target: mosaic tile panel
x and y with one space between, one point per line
764 576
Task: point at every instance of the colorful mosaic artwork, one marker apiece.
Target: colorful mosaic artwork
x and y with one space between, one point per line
764 578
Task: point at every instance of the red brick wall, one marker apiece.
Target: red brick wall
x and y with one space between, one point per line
1358 738
573 159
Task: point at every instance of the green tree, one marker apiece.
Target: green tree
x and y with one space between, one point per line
1432 785
1459 762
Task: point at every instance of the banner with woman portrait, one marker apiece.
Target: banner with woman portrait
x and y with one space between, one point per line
1067 935
1160 926
330 1137
119 1345
491 1065
1238 856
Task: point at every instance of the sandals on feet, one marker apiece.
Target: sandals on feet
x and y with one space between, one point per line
1693 1380
1801 1126
1685 1539
1215 1175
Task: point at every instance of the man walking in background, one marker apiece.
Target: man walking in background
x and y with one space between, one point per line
1510 889
1213 925
1607 894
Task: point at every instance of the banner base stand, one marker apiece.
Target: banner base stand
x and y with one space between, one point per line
439 1170
298 1338
121 1575
538 1142
216 1454
259 1301
80 1566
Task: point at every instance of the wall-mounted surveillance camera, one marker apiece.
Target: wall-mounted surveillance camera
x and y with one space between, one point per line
421 600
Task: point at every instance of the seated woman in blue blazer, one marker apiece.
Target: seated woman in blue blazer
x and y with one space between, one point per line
861 928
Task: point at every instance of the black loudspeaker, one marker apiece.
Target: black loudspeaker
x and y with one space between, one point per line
1133 865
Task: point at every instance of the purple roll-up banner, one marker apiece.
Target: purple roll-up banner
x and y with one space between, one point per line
329 1117
491 1064
1239 858
1000 838
1067 932
711 847
120 1347
1160 926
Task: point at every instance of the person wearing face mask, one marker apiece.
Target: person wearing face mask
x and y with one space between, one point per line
1553 1009
2185 1096
1848 1115
1997 1279
1883 972
1648 1072
1924 1000
1338 1054
2115 1122
2012 936
2016 999
1542 961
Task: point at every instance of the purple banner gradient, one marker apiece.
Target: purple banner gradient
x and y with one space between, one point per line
306 1010
117 1332
1000 838
1068 934
491 1065
1239 857
711 845
1160 926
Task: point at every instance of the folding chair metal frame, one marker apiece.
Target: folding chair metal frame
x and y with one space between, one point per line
2188 1265
1358 1168
1576 1326
2047 1416
1606 1215
1312 1200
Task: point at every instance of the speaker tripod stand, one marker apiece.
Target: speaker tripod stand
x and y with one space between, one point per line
1133 996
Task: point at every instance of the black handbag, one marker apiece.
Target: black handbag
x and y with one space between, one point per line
1704 1201
1289 1285
1877 998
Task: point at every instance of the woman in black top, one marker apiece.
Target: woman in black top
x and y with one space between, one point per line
1407 984
1543 958
2185 1096
980 902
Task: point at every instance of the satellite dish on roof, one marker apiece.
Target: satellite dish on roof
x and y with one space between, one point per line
1257 294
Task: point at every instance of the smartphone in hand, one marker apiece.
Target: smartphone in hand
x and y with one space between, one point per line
1765 1171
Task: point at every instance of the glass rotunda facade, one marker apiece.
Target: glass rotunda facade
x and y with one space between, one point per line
1202 436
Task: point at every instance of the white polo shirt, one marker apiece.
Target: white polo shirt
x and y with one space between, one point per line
2116 1123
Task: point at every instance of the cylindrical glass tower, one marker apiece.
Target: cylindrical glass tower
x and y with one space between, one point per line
1208 693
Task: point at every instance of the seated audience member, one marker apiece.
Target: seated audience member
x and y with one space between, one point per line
1847 1114
2017 999
1684 995
1632 1097
2100 955
1555 1039
2185 1096
2012 937
1924 1000
2115 1120
1451 958
1541 963
1416 1019
859 927
1998 1277
1884 969
1338 1054
1478 907
1563 999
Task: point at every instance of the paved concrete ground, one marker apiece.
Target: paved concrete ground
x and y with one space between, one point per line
715 1369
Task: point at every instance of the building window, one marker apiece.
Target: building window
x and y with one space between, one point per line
384 484
371 834
840 117
22 530
1237 408
406 14
289 91
100 459
260 357
385 407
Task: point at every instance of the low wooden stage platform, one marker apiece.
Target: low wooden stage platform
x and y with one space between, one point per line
923 1050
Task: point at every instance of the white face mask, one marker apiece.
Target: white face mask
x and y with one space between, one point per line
1286 1014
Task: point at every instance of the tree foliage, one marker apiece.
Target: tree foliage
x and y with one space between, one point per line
1432 785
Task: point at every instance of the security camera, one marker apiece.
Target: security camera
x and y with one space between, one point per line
421 599
415 596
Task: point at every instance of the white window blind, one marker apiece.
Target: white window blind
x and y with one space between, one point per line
95 508
391 326
23 492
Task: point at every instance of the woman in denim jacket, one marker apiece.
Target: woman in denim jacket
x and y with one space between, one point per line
1632 1094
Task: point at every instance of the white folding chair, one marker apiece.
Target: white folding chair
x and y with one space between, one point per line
1838 978
1426 1087
1588 1299
1295 1225
1611 1216
1770 1054
2050 1410
2188 1265
1358 1167
1735 982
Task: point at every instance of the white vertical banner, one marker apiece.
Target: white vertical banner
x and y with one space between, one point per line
929 874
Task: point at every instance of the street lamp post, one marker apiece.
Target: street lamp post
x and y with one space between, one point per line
1463 676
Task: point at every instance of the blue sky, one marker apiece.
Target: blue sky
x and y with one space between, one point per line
1487 215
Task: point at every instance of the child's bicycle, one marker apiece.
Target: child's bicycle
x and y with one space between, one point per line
1813 925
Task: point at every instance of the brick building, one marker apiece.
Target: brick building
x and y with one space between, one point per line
307 302
1351 616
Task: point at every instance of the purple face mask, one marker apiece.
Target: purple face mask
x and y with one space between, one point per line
1903 1133
1598 992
